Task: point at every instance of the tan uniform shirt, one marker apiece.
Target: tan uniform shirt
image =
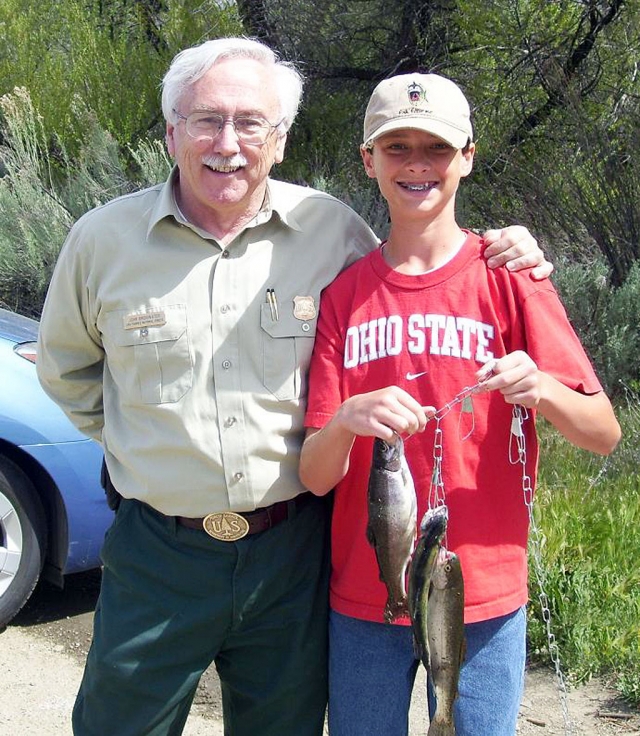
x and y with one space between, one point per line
168 349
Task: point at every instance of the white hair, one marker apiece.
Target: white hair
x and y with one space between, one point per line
192 63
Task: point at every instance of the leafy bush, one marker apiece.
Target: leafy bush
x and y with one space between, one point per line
589 519
104 58
606 318
33 219
42 196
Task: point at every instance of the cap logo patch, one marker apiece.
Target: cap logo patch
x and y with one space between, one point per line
415 92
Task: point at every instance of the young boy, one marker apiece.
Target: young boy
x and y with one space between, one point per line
402 331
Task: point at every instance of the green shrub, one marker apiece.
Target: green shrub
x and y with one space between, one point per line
105 59
588 515
42 196
606 318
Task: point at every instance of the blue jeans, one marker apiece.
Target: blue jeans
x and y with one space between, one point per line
372 668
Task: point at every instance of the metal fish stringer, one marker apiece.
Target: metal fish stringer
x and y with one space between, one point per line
466 419
464 397
518 454
436 489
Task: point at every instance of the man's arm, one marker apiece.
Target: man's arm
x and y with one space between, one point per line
70 374
515 248
70 360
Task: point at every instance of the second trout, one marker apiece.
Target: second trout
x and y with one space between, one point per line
445 631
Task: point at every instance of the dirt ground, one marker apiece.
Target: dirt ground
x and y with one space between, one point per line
43 650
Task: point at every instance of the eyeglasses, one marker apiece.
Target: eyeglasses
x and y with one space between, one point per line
205 126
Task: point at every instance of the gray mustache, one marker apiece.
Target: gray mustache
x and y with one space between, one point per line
225 162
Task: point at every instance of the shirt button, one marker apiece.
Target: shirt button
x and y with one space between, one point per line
238 476
229 421
225 254
225 308
226 364
306 327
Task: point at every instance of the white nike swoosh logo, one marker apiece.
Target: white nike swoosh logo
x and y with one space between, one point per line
413 376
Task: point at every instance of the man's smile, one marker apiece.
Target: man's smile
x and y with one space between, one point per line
224 164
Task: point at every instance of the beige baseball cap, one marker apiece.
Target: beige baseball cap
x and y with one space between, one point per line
426 102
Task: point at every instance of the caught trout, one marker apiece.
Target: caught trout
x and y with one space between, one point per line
432 530
391 529
445 629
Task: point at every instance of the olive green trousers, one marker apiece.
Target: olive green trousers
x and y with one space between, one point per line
173 600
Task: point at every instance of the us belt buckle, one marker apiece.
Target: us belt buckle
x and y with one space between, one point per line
226 526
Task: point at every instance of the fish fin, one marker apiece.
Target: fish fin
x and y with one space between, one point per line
417 649
371 537
421 653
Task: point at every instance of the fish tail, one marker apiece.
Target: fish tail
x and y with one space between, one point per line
394 609
441 728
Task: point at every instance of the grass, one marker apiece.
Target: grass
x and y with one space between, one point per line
588 512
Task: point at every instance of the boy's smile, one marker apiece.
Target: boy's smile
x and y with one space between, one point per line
417 187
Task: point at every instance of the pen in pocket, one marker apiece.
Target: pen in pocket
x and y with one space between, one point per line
273 304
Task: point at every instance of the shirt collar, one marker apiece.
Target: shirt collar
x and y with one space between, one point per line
166 205
275 202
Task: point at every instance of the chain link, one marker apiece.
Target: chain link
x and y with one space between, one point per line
436 490
536 542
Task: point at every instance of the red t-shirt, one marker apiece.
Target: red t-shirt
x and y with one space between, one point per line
376 328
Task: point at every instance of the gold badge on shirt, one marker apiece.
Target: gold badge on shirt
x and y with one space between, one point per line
304 307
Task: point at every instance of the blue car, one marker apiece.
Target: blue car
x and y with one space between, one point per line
53 511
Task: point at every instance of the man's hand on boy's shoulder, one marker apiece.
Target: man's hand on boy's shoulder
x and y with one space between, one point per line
515 247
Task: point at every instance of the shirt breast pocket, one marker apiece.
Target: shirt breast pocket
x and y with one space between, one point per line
153 362
287 344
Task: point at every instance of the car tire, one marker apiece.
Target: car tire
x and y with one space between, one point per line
23 533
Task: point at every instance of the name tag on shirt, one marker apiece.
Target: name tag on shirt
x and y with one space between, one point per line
144 319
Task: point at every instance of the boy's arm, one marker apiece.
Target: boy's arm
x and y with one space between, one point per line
324 460
515 248
586 420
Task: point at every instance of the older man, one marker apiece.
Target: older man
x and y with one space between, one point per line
177 331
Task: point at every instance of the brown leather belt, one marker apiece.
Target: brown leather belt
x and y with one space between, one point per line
229 526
